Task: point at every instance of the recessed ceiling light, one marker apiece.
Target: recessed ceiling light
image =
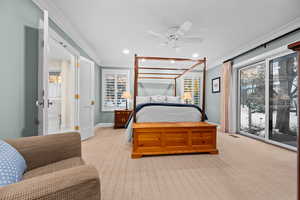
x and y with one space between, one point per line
172 61
125 51
195 55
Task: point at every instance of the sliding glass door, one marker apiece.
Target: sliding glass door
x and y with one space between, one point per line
268 100
252 100
283 99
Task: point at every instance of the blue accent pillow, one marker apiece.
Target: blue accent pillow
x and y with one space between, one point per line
12 164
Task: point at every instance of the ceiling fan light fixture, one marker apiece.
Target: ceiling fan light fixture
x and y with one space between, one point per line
125 51
195 55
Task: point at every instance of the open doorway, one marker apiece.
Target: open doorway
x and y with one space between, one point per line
65 86
61 88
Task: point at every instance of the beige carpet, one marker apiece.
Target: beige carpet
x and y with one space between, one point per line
245 169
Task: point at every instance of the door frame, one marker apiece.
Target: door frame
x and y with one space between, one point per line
264 58
42 100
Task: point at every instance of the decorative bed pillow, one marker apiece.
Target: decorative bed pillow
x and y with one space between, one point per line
158 99
142 99
12 164
171 99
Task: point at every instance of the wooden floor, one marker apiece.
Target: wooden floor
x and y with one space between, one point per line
245 169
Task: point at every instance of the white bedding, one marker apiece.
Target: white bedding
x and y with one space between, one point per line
164 114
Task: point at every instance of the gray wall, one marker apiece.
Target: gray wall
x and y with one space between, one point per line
213 100
19 20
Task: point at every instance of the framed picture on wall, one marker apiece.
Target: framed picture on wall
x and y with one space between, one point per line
216 85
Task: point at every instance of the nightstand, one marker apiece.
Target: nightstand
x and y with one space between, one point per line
121 117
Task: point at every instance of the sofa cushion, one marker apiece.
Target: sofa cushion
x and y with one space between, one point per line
12 164
54 167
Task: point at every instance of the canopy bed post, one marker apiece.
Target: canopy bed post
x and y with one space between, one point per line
204 86
136 73
296 47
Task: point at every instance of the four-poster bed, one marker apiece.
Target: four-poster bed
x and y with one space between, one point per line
164 134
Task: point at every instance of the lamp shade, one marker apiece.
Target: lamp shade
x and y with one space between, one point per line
126 95
187 96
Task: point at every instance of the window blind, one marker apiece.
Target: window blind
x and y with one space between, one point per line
114 84
192 85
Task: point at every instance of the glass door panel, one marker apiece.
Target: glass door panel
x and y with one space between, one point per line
252 100
283 99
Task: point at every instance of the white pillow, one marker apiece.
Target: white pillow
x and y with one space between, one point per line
158 99
142 99
172 99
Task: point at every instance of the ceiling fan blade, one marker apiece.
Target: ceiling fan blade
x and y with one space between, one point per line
155 34
163 44
192 39
185 27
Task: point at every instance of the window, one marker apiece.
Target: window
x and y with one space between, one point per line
114 83
268 100
192 85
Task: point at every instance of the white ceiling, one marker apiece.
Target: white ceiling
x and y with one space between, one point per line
112 25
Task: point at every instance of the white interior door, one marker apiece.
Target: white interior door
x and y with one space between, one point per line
42 102
86 101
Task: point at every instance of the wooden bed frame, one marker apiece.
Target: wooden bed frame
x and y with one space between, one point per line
171 137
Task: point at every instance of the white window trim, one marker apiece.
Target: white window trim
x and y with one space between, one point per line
193 75
115 72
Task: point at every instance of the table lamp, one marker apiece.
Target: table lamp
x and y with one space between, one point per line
126 95
187 96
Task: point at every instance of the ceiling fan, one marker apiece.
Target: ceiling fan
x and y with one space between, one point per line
176 37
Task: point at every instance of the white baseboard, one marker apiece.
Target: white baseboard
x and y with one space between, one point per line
104 125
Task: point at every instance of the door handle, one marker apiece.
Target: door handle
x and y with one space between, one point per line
50 103
39 103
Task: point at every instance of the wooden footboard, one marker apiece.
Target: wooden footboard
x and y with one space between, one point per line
173 138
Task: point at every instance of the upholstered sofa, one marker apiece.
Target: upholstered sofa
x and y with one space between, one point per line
55 170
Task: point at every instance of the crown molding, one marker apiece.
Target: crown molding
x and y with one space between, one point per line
292 25
63 23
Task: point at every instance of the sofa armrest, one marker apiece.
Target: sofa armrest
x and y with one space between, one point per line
76 183
43 150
